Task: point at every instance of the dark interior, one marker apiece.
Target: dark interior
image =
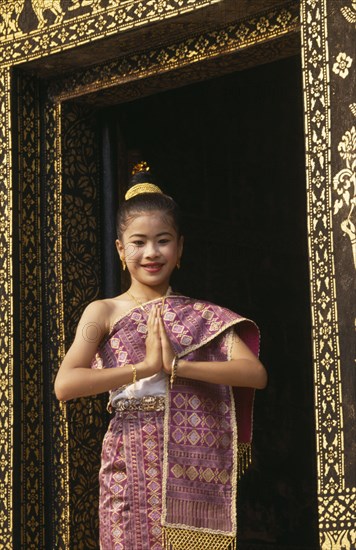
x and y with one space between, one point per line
230 150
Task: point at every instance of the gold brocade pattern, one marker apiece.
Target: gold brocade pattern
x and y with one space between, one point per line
182 539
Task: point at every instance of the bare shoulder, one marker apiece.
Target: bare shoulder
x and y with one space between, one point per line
98 308
104 313
96 314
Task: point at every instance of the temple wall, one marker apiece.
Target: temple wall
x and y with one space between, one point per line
55 52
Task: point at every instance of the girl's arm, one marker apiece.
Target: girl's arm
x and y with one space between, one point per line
75 378
244 369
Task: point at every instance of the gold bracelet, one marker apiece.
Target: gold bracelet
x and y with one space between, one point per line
134 373
174 368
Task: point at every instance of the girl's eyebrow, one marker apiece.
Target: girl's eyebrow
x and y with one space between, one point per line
158 234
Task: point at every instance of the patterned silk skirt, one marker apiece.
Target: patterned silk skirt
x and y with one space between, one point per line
130 479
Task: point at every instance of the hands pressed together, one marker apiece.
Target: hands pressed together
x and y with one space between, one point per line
159 351
242 369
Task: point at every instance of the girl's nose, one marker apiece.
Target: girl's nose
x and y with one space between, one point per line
151 250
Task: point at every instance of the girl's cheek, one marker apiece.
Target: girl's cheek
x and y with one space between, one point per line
132 252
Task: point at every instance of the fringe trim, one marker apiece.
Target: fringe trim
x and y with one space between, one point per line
187 539
243 458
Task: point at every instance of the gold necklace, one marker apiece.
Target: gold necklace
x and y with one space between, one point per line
141 304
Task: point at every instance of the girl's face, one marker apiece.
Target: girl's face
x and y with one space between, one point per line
151 249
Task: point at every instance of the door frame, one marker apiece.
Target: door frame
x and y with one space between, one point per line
32 263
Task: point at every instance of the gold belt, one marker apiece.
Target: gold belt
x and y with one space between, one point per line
146 403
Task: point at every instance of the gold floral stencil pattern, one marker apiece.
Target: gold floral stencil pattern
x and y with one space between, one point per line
213 44
336 500
31 359
6 312
344 184
29 30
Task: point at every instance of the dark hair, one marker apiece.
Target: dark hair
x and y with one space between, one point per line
146 202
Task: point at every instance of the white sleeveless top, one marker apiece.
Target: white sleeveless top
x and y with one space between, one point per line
153 385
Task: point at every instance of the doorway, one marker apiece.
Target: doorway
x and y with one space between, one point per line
231 152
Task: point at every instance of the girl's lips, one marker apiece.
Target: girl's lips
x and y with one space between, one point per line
152 267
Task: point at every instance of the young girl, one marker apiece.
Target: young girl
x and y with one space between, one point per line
181 375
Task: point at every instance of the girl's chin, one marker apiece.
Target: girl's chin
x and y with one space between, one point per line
151 277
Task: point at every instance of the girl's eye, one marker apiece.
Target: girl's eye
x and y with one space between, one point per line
163 241
138 243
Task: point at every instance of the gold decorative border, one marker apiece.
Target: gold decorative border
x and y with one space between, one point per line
31 359
72 28
54 322
336 502
6 313
254 31
239 36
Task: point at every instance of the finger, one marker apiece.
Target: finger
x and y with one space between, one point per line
155 319
149 319
164 336
161 326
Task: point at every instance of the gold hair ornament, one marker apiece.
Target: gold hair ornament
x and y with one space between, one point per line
142 188
140 167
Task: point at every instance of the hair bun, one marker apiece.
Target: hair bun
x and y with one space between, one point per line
142 181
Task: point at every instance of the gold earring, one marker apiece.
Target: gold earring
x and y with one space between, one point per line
123 264
178 264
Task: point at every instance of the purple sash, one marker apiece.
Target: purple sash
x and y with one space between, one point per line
208 427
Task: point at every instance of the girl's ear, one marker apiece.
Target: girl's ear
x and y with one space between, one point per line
180 246
120 248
